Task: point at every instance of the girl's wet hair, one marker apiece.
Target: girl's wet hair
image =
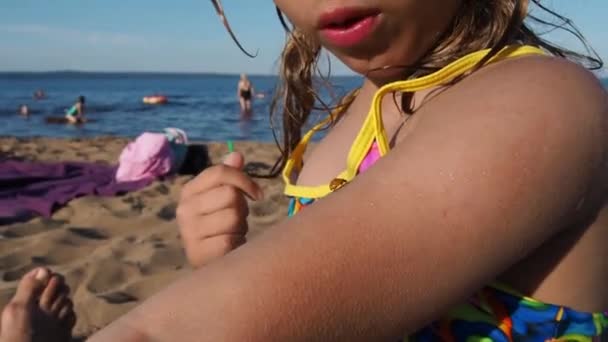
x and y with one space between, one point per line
220 12
488 24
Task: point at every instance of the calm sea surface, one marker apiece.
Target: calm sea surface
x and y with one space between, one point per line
204 105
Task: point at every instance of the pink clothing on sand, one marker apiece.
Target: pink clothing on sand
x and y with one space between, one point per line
148 157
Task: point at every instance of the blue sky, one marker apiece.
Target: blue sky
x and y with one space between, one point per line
179 35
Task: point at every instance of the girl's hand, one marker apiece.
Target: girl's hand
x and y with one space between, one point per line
212 212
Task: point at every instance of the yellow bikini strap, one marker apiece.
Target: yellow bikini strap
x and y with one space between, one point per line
298 152
373 128
443 76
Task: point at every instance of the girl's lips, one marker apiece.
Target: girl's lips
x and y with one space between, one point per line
346 27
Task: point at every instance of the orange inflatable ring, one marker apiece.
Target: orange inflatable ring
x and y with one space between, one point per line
155 99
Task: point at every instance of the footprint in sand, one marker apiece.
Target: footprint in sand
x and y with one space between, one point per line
39 260
158 191
12 260
167 213
127 207
55 247
82 155
19 272
15 274
135 202
108 275
8 234
162 189
61 250
156 255
117 297
31 228
89 233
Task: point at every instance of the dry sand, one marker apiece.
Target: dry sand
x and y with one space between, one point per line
114 252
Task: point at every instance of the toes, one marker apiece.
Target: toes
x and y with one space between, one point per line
65 310
62 300
30 286
59 303
51 293
16 316
38 291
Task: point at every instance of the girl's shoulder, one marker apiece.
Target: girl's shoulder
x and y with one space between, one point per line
542 80
538 103
538 88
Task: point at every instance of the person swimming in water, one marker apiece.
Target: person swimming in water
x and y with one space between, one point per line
24 110
76 113
245 93
39 94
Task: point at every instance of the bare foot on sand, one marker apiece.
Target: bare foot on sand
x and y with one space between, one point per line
40 311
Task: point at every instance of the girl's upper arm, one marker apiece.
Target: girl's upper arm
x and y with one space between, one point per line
468 194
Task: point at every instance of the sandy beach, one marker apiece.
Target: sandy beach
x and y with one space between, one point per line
114 252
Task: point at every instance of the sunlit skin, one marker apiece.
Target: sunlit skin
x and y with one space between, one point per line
509 187
496 177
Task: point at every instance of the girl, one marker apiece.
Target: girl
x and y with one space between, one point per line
459 195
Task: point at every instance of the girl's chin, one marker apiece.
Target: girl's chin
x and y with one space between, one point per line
375 70
383 75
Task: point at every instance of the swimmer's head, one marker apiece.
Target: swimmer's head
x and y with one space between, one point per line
243 77
24 110
81 99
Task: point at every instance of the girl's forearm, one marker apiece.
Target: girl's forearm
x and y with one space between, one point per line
199 307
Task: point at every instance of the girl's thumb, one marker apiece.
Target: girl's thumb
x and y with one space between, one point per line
234 160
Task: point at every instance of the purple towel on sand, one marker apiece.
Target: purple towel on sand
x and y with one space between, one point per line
30 188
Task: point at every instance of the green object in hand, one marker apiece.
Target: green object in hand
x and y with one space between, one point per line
230 146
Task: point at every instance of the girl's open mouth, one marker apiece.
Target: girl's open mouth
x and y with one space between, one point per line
346 27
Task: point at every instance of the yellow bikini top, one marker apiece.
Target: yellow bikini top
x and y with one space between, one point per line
373 128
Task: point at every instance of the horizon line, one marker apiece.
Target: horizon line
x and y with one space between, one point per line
601 73
218 73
